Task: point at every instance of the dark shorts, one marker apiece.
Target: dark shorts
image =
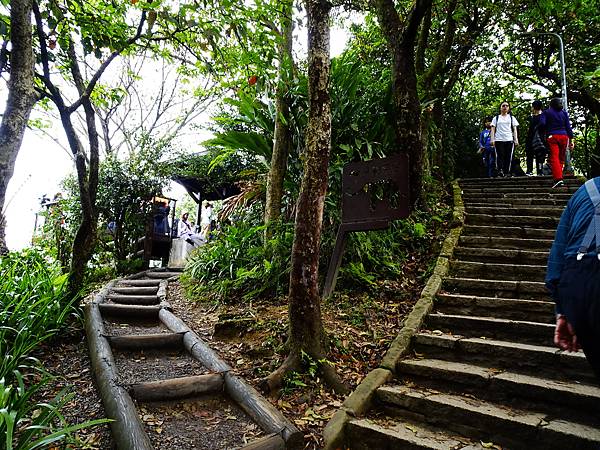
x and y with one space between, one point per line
579 296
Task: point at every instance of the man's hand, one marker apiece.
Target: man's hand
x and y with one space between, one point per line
564 335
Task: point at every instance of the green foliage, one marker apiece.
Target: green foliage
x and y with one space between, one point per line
238 264
34 307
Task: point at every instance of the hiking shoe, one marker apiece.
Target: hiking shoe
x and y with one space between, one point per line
559 183
529 174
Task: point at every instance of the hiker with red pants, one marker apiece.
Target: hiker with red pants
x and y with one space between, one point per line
573 275
559 136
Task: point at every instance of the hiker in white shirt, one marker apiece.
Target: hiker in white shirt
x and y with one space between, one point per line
504 138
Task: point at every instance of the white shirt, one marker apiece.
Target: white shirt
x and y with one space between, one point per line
503 131
183 228
206 216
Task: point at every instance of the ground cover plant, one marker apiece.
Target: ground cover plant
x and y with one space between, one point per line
34 308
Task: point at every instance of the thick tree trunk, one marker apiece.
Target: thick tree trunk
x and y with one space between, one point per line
305 325
283 136
21 98
401 42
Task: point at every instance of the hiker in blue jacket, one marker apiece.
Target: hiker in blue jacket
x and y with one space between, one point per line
573 275
485 148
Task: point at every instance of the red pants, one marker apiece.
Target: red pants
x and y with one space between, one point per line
558 145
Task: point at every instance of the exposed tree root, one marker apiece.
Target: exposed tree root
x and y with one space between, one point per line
273 382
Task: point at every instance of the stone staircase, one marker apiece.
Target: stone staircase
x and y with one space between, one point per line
483 372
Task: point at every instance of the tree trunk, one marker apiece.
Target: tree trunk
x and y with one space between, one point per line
283 136
401 42
304 313
21 98
595 156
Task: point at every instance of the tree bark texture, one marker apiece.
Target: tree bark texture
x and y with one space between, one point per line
21 99
304 300
401 42
282 140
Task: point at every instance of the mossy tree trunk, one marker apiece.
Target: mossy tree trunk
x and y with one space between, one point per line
20 102
304 313
401 36
282 141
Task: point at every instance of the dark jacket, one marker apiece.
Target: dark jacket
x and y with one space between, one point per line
571 229
556 122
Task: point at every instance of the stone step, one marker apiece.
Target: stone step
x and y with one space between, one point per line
162 275
502 308
505 210
530 290
512 181
484 191
511 220
496 271
490 422
398 433
511 243
133 290
514 202
133 299
497 384
503 256
535 360
509 231
139 283
516 196
492 327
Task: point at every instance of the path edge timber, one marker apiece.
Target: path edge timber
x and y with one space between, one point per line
359 401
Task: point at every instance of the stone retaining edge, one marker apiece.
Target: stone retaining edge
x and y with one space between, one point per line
359 401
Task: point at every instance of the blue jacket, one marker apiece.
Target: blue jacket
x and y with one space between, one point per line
485 139
556 122
571 229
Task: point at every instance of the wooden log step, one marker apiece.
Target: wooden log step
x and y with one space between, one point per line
502 308
510 243
501 329
531 211
134 290
505 256
510 427
129 311
509 231
401 433
139 283
272 442
162 275
511 220
494 383
147 341
530 290
530 359
176 388
133 299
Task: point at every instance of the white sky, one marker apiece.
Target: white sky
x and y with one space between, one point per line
42 164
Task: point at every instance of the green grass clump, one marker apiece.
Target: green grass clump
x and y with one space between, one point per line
34 307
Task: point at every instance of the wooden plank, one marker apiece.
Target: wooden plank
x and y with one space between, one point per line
176 388
133 299
147 341
271 442
264 413
269 418
127 429
129 311
193 344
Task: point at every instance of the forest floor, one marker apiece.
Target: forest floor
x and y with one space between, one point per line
249 337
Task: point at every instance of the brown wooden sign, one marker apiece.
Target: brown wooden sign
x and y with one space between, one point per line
374 193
